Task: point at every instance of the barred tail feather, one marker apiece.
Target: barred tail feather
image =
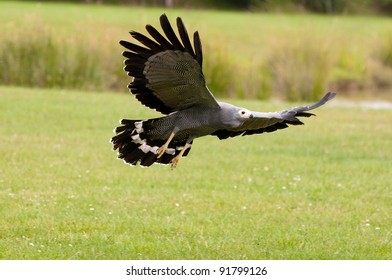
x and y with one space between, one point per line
134 145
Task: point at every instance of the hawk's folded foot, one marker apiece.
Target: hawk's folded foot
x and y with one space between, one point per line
164 147
176 159
161 150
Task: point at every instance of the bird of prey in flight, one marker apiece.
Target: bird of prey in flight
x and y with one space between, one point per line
168 77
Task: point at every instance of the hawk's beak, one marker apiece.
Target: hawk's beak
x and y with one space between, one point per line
251 116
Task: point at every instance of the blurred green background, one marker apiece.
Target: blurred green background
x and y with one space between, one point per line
293 50
319 6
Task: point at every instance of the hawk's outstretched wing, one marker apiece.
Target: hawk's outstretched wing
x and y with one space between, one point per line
269 122
167 73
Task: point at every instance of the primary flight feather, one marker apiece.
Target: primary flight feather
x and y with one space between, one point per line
167 76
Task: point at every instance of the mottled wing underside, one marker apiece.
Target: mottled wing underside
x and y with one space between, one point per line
167 72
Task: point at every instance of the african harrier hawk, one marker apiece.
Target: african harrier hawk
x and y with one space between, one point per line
167 76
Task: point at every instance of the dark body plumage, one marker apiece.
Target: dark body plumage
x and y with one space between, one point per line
167 76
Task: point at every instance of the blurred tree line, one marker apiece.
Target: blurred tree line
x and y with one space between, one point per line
318 6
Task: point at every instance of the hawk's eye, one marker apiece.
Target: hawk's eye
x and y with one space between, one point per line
242 112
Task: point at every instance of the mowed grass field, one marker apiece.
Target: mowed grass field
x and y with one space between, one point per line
319 191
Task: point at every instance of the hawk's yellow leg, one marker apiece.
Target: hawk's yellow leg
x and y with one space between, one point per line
163 148
176 160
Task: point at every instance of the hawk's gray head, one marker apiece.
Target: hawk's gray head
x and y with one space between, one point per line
233 116
245 113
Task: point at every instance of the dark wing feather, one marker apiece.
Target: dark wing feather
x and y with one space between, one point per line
169 32
269 122
198 48
158 37
146 41
167 74
184 37
143 52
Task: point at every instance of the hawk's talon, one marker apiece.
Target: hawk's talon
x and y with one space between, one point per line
161 151
175 161
164 147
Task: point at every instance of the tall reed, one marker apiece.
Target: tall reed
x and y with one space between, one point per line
33 54
300 67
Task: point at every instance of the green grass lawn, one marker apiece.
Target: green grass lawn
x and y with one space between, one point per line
319 191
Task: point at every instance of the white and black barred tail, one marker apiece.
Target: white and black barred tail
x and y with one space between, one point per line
134 145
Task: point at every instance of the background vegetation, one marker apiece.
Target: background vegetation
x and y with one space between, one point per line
252 55
320 6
